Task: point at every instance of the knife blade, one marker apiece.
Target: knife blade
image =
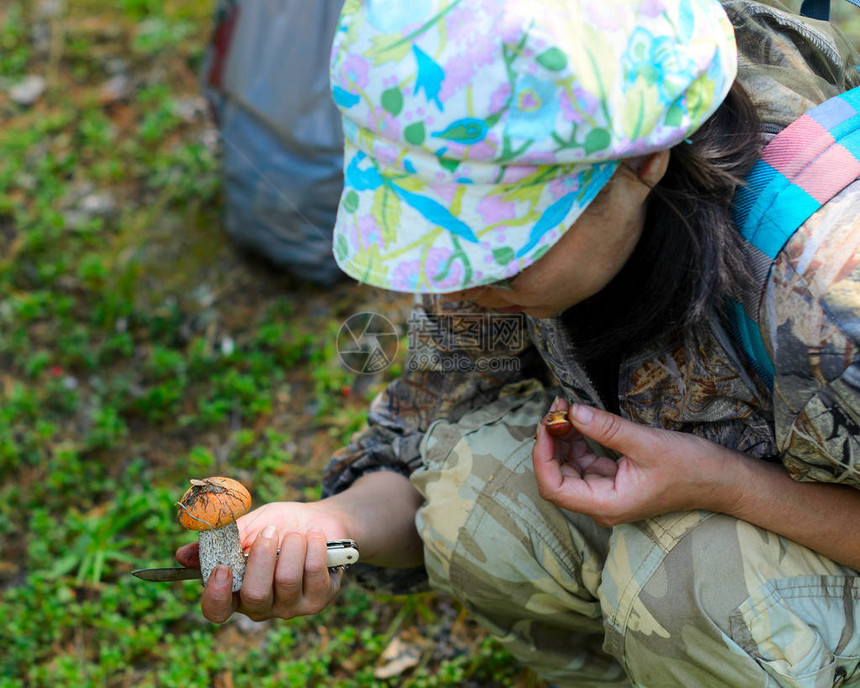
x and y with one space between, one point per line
339 553
168 574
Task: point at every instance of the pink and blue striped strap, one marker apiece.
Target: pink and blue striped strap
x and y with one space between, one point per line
800 170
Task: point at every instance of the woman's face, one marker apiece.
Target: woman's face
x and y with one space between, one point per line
590 253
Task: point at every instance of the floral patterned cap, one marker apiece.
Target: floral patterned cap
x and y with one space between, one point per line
477 131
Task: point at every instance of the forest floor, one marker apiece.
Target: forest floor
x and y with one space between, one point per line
138 348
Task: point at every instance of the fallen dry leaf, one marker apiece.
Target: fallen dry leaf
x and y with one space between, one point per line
397 658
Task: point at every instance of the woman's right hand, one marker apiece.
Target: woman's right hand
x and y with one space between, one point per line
296 583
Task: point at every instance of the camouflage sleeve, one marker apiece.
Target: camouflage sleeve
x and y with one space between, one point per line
459 358
811 316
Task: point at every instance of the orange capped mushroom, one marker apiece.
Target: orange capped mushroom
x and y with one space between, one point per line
211 507
213 503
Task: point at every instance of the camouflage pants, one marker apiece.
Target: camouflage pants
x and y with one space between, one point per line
692 599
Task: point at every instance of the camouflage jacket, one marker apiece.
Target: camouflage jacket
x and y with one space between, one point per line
697 382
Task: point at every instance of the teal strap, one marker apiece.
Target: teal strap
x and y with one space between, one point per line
805 165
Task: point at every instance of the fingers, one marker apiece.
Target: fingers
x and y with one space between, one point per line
564 486
548 471
552 454
256 595
602 466
218 601
189 555
255 598
303 584
294 583
615 432
558 481
317 584
548 446
544 446
288 573
567 471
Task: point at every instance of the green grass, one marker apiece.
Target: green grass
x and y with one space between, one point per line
138 349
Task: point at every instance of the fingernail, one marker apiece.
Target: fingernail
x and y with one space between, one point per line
555 403
581 414
220 574
269 532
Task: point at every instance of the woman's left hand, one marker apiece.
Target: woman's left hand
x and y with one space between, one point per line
660 471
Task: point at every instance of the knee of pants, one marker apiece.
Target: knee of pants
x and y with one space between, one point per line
697 598
489 538
526 570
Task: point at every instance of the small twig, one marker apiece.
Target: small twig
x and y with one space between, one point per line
202 520
396 623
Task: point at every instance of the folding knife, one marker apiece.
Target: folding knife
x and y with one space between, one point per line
339 554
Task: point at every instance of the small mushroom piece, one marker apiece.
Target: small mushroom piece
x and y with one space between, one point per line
211 506
557 423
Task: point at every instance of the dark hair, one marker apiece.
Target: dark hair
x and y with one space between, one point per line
690 255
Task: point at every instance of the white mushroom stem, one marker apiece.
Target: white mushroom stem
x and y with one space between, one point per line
222 546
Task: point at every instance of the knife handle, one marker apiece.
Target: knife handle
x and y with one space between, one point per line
341 556
338 553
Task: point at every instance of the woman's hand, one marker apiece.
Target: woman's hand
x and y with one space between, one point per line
659 471
295 583
377 511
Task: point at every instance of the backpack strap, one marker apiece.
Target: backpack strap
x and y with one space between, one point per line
816 9
800 170
819 9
